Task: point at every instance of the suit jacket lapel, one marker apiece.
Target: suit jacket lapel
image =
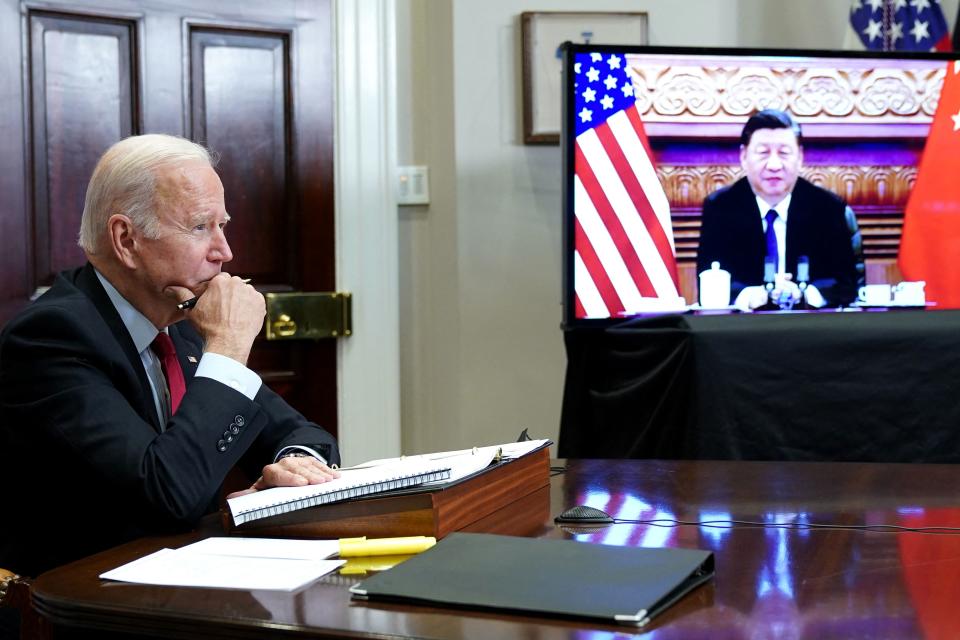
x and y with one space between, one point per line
797 224
88 283
187 353
750 219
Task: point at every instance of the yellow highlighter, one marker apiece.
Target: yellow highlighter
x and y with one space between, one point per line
357 547
363 566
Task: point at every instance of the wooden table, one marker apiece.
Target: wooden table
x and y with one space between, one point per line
770 582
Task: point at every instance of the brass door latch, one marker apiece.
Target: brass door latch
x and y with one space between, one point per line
308 316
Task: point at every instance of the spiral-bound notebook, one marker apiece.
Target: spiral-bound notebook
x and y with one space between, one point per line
352 483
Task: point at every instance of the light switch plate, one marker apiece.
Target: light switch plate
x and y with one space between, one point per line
413 184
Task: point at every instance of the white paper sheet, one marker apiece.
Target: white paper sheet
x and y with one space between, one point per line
465 461
279 548
190 567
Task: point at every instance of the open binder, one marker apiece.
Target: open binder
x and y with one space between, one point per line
511 495
624 585
351 484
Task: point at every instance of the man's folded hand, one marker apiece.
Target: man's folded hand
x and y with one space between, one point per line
291 471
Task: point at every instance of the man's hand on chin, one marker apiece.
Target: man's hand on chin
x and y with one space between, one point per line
291 472
228 315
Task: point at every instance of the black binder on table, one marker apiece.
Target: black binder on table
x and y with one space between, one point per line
626 585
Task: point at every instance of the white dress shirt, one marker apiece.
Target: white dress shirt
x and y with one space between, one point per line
212 365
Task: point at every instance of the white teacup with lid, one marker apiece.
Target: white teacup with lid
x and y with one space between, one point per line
714 287
910 293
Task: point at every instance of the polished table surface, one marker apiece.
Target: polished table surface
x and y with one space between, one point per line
781 580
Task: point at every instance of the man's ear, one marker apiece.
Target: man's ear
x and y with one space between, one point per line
123 238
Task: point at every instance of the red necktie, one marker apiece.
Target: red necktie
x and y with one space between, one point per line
162 345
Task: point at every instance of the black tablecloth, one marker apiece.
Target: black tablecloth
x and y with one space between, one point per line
858 386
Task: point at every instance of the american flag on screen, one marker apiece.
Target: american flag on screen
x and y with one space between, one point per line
900 25
624 254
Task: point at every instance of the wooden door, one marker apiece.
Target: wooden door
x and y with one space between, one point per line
251 80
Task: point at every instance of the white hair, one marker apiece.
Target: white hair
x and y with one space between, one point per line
125 181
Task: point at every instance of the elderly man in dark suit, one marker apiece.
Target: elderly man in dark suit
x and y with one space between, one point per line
121 413
774 214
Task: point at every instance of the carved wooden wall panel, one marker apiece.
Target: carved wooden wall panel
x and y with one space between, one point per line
878 195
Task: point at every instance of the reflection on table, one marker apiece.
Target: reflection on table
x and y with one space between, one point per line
770 581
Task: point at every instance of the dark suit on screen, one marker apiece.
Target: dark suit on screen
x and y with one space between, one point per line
81 435
732 234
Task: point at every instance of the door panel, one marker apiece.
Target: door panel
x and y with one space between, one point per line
240 107
82 91
252 80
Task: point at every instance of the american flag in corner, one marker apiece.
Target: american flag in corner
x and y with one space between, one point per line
624 255
897 25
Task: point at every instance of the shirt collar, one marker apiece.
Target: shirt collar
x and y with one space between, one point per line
141 330
782 207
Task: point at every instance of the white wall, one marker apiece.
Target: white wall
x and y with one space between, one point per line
481 350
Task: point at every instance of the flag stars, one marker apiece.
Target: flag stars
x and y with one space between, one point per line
606 102
585 115
614 61
920 5
920 30
576 67
896 32
899 4
593 74
873 30
875 4
589 95
610 83
595 57
627 89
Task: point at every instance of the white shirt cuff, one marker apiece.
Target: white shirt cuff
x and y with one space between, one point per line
229 372
300 449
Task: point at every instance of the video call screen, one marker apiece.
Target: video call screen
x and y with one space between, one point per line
650 132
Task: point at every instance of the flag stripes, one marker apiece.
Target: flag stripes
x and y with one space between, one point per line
623 212
624 259
602 256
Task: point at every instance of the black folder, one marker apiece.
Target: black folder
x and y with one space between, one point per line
626 585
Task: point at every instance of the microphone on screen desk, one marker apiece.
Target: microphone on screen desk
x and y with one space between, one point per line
803 280
769 280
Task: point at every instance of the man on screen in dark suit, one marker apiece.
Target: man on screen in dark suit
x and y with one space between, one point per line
806 221
106 432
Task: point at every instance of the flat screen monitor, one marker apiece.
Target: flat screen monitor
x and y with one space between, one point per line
661 182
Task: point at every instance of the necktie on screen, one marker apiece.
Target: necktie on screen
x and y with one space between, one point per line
773 252
162 345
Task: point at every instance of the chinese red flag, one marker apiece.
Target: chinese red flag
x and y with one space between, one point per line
930 248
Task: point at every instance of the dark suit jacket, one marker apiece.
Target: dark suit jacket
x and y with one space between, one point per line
85 464
732 234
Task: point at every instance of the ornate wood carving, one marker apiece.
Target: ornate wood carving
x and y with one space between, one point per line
878 195
873 186
731 88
